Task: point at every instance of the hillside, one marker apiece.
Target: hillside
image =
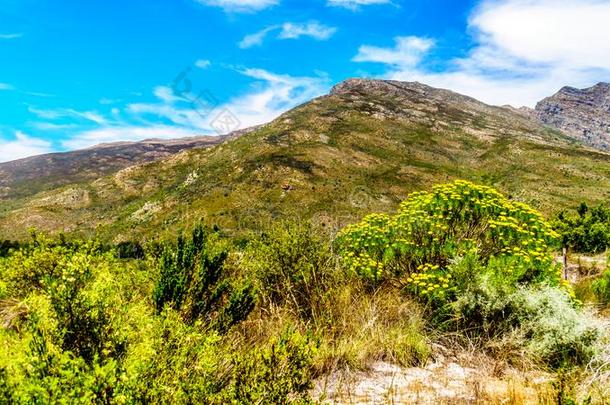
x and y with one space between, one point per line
28 176
362 148
581 113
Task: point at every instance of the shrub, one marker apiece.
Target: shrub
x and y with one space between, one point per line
431 228
6 246
586 232
278 373
192 281
65 324
186 364
543 320
180 363
601 287
130 250
78 326
292 264
77 288
50 374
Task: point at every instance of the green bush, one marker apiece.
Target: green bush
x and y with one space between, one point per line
292 264
50 374
542 319
130 250
588 231
432 228
79 326
192 280
483 264
65 324
601 287
277 374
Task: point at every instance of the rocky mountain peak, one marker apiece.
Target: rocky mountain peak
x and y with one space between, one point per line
581 113
405 92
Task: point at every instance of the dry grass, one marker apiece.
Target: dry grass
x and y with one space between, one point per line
358 329
367 328
11 312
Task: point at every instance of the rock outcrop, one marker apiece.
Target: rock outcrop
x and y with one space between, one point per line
583 114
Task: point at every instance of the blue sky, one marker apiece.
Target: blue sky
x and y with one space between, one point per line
75 74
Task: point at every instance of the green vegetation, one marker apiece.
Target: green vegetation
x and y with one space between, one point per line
210 318
482 263
337 158
6 246
587 231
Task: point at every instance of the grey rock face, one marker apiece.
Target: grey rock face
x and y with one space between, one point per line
580 113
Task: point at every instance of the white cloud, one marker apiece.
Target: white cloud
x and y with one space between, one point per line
270 95
203 63
166 94
256 39
407 52
68 113
289 30
11 35
6 86
273 95
188 114
22 146
110 134
240 6
355 4
312 29
49 126
571 32
525 50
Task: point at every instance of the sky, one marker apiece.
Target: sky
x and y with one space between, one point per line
74 74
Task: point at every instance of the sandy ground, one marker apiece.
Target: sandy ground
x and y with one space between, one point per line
437 383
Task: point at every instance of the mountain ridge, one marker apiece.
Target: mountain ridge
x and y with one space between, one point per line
27 176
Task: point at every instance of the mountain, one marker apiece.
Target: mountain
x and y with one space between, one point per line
581 113
28 176
362 148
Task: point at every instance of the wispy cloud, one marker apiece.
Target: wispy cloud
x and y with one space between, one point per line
275 95
257 38
49 126
312 29
558 42
11 35
179 115
407 52
110 134
22 145
6 86
54 114
240 6
355 4
289 30
203 63
38 94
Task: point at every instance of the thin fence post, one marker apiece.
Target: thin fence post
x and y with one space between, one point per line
565 263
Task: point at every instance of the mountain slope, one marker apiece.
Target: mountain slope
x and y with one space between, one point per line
28 176
362 148
581 113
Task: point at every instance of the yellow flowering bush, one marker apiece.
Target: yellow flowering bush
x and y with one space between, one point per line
417 244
